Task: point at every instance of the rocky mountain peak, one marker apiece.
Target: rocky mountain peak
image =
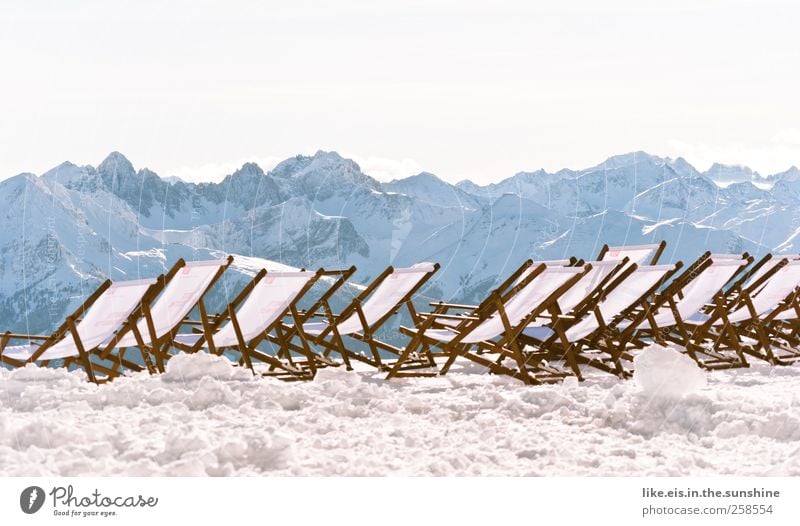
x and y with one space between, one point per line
116 165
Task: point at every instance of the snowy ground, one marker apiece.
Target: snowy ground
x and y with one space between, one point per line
207 417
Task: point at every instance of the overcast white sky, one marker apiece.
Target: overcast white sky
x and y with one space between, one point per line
464 89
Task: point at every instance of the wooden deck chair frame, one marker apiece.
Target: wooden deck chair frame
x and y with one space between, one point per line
441 307
320 308
784 334
84 358
590 299
735 286
285 369
775 337
331 340
154 351
736 280
588 351
106 354
728 336
643 329
506 345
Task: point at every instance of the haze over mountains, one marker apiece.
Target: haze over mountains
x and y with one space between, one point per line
69 228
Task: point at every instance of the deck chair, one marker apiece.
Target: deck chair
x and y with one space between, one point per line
755 272
737 278
686 297
494 331
741 327
255 314
639 254
783 329
392 290
575 337
112 307
776 331
187 283
584 291
590 285
455 310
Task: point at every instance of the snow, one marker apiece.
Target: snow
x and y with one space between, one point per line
666 372
206 416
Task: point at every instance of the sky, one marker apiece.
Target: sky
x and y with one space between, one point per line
463 89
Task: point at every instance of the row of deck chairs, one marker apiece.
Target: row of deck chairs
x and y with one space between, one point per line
139 325
546 321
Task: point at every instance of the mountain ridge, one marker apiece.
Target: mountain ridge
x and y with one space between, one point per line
76 225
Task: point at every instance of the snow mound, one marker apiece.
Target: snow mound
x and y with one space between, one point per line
193 367
663 372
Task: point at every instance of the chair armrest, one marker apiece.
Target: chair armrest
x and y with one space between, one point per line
17 336
452 305
304 313
447 316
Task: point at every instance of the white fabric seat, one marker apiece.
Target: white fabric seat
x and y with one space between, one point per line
265 305
177 299
774 290
384 299
521 304
766 267
576 293
619 299
600 270
638 254
698 292
105 316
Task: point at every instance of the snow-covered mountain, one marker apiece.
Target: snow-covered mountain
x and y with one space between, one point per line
724 175
71 227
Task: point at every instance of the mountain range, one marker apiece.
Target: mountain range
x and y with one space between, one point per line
67 229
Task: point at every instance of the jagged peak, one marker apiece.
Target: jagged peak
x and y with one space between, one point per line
422 176
727 168
744 185
64 165
465 182
639 156
64 172
332 159
793 173
299 164
525 175
23 177
328 168
331 155
682 164
248 169
116 164
173 179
